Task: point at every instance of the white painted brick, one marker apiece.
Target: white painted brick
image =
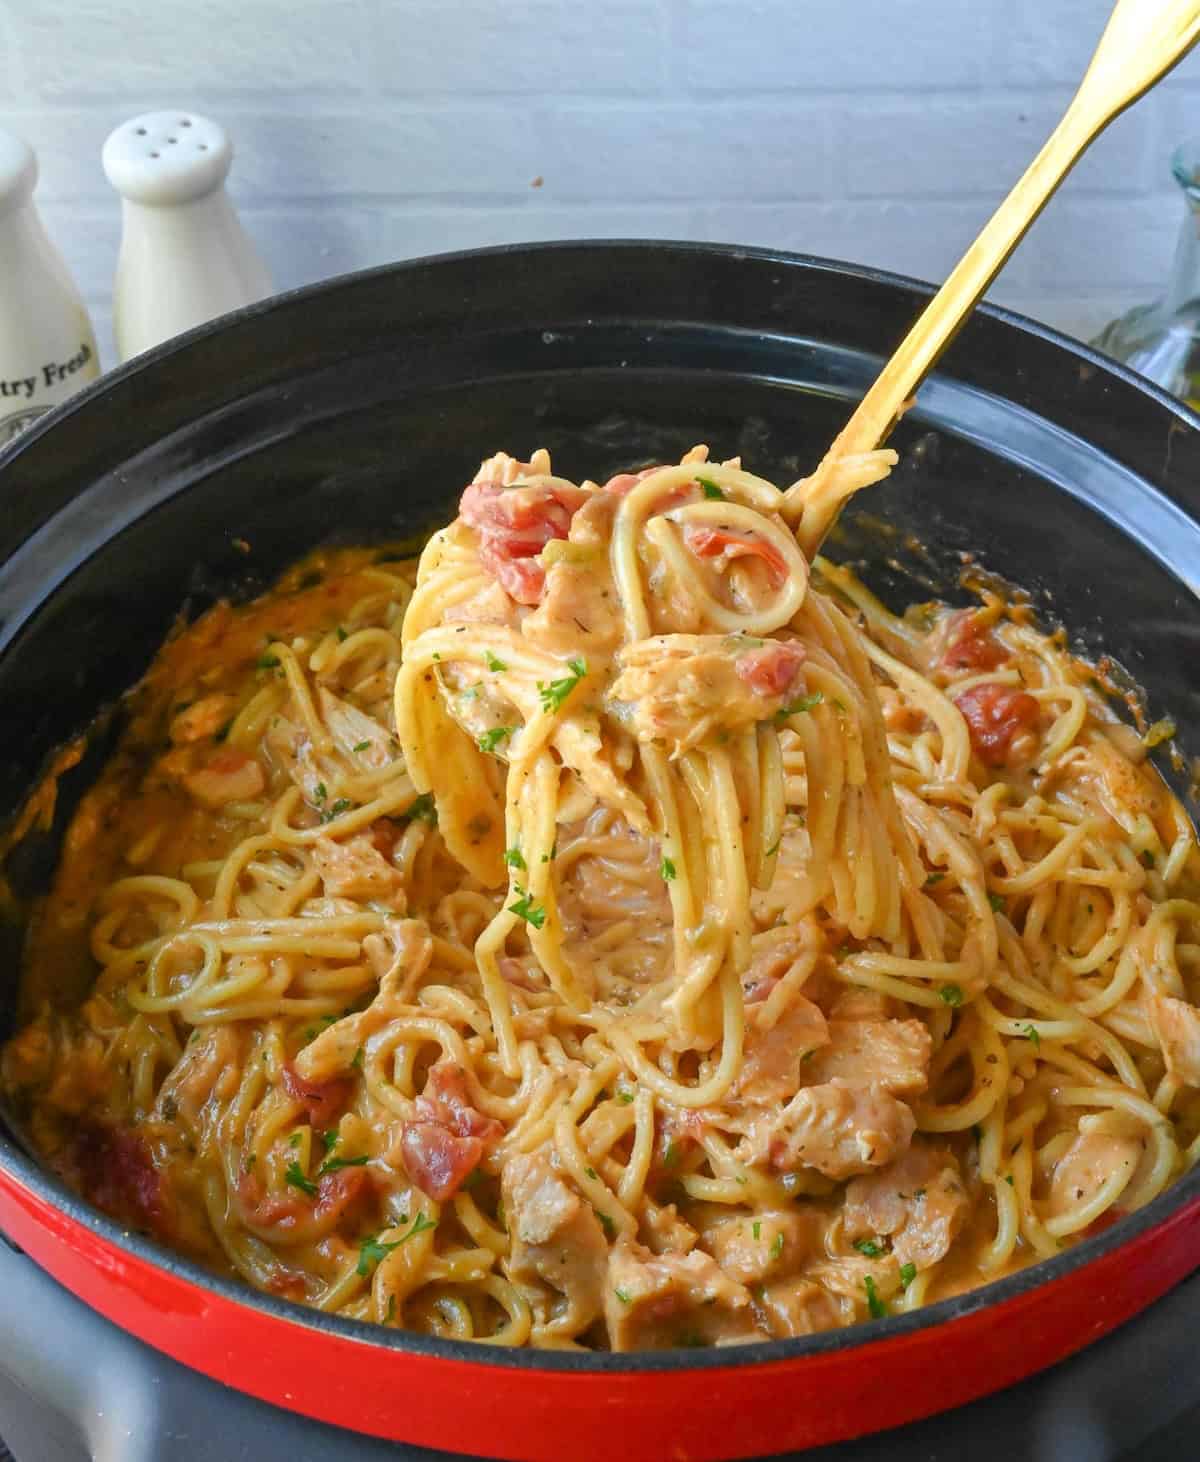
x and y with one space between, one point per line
397 153
956 146
404 233
331 241
920 239
175 52
525 49
1089 245
68 146
675 152
788 45
1052 41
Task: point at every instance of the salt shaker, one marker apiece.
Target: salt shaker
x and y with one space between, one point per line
185 256
47 347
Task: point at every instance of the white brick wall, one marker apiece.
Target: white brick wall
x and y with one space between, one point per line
882 131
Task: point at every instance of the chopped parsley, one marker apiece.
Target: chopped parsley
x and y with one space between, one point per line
553 693
422 809
667 869
490 740
331 1165
710 489
331 1138
372 1250
295 1176
756 1228
934 878
294 1140
343 804
1008 1178
493 662
342 635
319 792
868 1247
526 909
774 848
951 995
513 858
1147 858
908 1272
671 1155
358 1059
606 1223
362 746
391 1310
776 1249
996 902
805 703
623 1295
591 1173
267 662
625 1097
874 1304
1030 1032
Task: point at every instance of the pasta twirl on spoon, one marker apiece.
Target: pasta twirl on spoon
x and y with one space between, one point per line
602 933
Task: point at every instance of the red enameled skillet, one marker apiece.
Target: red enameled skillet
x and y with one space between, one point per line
355 411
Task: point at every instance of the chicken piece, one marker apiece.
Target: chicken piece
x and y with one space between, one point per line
291 750
557 1241
918 1202
892 1055
680 689
448 1138
838 1129
580 609
1090 1162
653 1301
229 775
666 1232
202 718
351 728
857 1002
763 1246
357 870
771 1069
1176 1024
211 1066
802 1307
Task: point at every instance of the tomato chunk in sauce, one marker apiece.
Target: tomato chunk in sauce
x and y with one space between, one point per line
996 715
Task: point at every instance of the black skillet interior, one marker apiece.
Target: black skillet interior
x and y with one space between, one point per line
356 411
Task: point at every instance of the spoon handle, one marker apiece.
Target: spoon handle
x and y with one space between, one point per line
1142 41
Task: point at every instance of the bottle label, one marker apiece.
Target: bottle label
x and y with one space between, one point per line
24 397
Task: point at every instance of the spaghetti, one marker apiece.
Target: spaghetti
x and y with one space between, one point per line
599 934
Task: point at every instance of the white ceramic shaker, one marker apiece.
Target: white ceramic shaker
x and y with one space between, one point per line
185 257
47 348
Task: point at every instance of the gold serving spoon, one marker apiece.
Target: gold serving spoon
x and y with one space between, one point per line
1140 44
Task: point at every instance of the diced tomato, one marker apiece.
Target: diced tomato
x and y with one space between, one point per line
337 1194
970 646
625 482
449 1138
514 525
118 1175
438 1162
772 668
995 716
707 542
323 1100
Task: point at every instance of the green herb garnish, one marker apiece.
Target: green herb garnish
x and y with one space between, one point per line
514 859
422 809
526 909
362 746
319 792
934 878
623 1295
331 1138
951 995
492 662
710 489
671 1155
1147 858
295 1176
357 1063
996 902
555 692
876 1306
756 1229
606 1224
372 1251
266 662
490 740
667 869
868 1247
1031 1033
908 1272
333 1164
805 703
776 1249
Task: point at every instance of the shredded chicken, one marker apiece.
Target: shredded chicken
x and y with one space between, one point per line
653 1301
919 1203
1177 1026
836 1128
892 1055
357 870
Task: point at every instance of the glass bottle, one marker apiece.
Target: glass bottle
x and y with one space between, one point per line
47 347
185 257
1162 340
